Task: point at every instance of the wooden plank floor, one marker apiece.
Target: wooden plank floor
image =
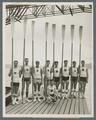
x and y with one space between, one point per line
62 106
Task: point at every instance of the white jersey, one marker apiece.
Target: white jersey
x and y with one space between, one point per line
27 72
56 71
16 74
48 74
83 72
37 73
65 71
51 89
74 72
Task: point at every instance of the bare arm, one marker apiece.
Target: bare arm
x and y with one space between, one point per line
87 74
41 74
20 72
70 71
10 72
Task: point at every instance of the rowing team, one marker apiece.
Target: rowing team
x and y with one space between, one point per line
49 83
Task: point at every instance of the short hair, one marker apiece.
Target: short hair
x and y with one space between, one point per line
74 61
47 60
56 62
26 59
15 61
65 61
83 61
37 62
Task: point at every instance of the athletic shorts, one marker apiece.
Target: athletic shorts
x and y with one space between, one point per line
83 79
37 81
74 79
26 79
15 84
56 79
65 78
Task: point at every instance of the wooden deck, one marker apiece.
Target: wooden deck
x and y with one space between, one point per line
63 106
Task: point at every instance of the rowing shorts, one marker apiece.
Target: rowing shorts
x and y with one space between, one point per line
83 79
74 79
15 84
37 81
27 79
65 78
56 79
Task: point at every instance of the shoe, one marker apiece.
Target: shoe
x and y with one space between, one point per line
13 103
13 100
34 100
16 102
28 100
44 99
39 99
23 101
63 90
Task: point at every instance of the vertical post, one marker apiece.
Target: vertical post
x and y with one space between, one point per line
63 36
46 38
72 37
80 39
25 21
12 32
53 35
33 23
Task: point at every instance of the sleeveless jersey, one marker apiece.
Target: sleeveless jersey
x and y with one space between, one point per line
16 74
27 71
51 89
56 72
83 72
65 71
74 72
48 75
37 73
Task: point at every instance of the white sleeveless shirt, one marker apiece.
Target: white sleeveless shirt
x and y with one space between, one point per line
83 72
74 72
51 89
16 74
27 71
37 73
65 71
48 74
56 72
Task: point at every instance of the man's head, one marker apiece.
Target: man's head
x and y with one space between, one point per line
15 63
83 63
74 63
37 63
47 62
56 63
65 62
26 61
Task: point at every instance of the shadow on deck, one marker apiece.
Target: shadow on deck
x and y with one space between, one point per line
63 106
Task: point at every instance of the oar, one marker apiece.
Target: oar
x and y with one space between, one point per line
12 32
25 22
72 37
63 37
46 38
33 23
